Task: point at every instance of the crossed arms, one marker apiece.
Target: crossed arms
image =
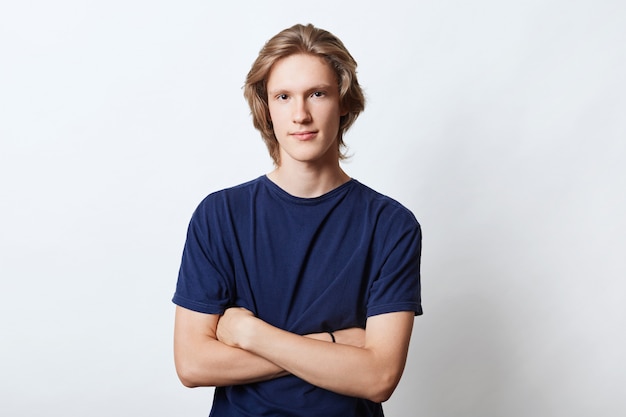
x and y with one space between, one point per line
238 348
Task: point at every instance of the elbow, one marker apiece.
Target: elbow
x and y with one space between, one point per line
189 383
383 387
380 396
186 377
189 374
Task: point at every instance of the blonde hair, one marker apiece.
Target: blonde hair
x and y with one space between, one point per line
300 39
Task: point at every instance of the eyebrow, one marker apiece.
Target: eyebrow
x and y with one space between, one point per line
311 89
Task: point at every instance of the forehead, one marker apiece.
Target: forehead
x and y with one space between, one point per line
300 71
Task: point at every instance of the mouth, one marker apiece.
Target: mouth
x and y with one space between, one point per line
304 135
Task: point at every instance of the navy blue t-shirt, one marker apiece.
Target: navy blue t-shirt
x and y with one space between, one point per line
305 265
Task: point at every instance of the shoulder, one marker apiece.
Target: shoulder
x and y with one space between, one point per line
220 205
384 208
227 195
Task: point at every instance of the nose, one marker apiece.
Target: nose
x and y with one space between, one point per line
301 114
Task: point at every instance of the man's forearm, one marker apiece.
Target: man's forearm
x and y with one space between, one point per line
343 369
214 364
202 360
370 372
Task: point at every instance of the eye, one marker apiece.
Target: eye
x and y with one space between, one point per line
319 94
282 97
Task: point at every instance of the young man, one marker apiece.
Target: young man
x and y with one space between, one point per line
297 290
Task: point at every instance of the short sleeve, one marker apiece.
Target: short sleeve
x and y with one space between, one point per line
397 287
202 285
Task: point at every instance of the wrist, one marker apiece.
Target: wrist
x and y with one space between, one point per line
247 333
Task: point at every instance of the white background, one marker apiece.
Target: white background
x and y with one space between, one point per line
500 124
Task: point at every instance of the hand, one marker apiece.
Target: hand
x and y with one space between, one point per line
231 325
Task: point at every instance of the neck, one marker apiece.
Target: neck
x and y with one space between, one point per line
308 181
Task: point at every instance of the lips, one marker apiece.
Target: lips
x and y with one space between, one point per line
304 135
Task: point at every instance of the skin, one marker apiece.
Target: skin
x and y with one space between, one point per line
237 348
202 360
303 100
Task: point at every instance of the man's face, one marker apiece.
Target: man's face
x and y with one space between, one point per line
303 98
